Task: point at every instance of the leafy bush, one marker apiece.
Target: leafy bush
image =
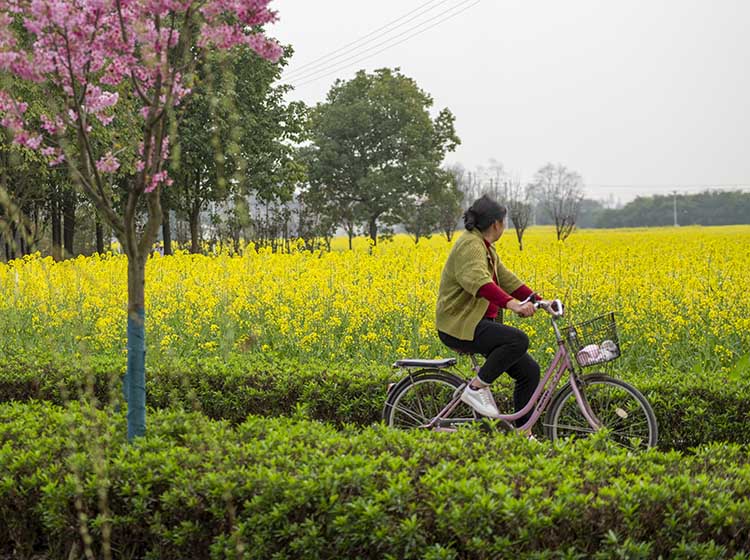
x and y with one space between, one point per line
692 409
289 487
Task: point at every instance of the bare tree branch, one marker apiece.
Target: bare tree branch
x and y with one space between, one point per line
560 192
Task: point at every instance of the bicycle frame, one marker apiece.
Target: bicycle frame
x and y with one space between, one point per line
542 394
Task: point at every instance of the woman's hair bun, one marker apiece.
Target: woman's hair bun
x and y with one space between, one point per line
483 213
470 219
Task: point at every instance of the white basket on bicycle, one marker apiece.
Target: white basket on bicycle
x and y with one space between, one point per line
594 341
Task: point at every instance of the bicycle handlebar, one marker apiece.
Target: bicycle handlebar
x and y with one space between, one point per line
554 307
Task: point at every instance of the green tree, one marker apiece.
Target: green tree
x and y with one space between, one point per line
448 198
374 145
90 56
36 195
237 137
437 210
316 224
24 187
709 208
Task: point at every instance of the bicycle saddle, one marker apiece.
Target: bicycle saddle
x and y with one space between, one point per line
448 362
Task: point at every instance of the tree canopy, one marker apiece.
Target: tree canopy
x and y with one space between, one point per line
375 147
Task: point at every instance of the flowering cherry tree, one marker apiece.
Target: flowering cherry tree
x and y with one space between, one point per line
102 60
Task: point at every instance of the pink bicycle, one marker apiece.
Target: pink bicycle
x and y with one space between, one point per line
428 397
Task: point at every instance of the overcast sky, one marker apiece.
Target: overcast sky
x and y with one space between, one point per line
639 96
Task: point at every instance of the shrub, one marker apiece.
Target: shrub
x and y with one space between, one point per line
289 487
692 409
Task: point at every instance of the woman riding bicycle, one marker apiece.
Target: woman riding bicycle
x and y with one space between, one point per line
474 286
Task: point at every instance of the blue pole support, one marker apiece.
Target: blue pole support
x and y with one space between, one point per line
134 382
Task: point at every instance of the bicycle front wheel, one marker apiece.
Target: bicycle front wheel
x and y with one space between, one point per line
417 399
619 407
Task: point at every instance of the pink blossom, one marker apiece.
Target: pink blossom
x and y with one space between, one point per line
6 102
116 70
55 155
98 100
90 46
52 126
23 137
28 140
108 163
34 142
157 179
105 120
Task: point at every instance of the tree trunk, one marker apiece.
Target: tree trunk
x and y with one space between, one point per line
195 246
33 245
69 220
137 251
99 237
373 226
134 382
166 232
56 218
12 243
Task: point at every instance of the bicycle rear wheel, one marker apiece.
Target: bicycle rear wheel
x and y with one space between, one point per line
417 399
620 408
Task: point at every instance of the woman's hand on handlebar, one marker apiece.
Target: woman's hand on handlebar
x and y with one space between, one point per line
554 307
521 308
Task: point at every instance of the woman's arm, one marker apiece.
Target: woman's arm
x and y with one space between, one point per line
524 292
495 294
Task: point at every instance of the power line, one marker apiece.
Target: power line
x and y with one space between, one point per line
317 62
358 60
312 73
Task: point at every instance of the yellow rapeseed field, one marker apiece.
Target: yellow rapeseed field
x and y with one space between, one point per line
682 294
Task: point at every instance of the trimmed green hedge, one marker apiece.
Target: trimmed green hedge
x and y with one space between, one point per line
291 488
692 409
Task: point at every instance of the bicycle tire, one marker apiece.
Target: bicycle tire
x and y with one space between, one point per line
631 420
417 399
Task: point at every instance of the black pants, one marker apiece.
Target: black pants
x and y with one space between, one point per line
505 349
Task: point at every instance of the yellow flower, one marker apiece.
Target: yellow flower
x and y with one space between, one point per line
677 292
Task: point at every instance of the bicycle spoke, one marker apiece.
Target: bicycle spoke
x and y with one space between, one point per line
418 420
420 402
588 430
631 426
627 446
617 408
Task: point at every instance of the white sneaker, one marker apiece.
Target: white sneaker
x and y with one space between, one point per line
481 400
